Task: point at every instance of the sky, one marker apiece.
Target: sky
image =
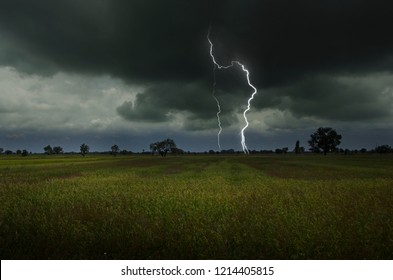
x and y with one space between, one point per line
133 72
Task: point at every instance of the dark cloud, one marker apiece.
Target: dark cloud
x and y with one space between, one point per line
162 102
278 40
340 98
134 39
284 40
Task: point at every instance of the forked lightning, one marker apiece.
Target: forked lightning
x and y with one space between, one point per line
233 63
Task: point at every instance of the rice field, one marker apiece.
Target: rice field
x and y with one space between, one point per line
196 207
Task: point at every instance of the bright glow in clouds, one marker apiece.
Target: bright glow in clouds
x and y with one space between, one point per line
233 62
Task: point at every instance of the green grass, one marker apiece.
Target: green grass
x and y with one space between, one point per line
196 207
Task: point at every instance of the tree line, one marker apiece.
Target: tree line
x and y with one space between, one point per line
324 140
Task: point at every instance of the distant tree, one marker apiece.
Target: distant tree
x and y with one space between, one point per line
84 149
363 150
297 147
48 150
18 152
1 150
115 150
325 139
162 147
278 151
177 151
383 149
58 150
281 151
25 153
8 152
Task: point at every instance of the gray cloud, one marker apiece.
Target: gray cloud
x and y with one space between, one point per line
62 102
162 102
340 98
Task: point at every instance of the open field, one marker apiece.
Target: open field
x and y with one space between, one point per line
196 207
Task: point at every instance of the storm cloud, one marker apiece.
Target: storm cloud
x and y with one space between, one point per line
345 98
313 62
279 40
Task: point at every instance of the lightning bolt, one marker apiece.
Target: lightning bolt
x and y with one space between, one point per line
244 69
218 115
215 65
243 142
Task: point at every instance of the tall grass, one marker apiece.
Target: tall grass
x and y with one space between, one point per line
196 207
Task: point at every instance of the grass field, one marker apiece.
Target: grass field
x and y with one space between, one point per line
196 207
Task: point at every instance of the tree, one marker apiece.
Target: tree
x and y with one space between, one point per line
325 139
58 150
25 153
84 149
162 147
115 150
297 147
384 149
48 150
1 150
281 151
177 151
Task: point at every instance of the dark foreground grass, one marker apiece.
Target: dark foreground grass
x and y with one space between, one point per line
196 207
